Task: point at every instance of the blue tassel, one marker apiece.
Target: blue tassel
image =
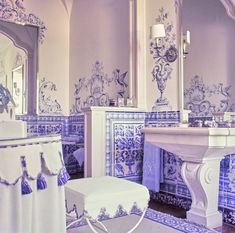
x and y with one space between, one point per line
25 188
41 182
66 175
63 177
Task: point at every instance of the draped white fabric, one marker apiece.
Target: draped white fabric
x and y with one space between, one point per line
41 211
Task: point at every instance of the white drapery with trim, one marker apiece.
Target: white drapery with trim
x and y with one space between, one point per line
40 210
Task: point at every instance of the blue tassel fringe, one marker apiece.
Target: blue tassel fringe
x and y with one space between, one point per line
41 182
25 188
63 177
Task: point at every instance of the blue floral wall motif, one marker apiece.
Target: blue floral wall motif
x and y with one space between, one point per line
48 104
125 142
14 11
128 149
97 88
203 99
164 53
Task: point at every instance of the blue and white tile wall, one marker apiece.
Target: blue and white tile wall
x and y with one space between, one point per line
124 153
70 128
124 144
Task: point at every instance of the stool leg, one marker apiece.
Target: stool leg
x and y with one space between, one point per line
73 222
102 225
92 228
138 223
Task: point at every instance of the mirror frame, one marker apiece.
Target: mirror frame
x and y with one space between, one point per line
15 12
31 64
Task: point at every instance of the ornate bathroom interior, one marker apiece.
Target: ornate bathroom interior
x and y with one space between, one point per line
91 72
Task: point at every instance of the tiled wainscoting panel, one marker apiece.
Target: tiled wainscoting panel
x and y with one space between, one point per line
124 144
70 128
162 119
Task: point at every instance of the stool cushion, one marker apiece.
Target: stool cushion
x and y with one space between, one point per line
93 196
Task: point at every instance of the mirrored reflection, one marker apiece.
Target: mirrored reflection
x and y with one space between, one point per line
209 58
12 74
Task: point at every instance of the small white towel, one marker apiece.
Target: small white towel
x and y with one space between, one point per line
79 155
152 167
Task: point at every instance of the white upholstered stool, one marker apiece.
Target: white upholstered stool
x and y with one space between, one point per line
95 198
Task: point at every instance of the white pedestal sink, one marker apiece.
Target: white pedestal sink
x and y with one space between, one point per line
201 149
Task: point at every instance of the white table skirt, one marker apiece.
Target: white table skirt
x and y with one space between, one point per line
40 211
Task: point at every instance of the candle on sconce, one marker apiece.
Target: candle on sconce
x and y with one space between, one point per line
187 37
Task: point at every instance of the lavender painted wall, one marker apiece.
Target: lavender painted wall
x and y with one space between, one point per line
99 51
209 67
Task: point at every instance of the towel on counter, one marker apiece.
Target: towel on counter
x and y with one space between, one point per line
79 155
152 167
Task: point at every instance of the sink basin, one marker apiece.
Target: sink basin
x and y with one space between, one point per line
201 150
193 143
13 129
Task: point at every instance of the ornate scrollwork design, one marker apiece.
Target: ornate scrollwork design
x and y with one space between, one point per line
164 53
14 11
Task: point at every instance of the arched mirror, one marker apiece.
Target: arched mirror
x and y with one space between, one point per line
12 74
209 71
19 64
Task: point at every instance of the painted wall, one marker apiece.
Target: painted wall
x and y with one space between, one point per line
54 51
99 52
209 69
53 54
160 66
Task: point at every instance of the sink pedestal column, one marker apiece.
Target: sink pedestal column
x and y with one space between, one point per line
202 180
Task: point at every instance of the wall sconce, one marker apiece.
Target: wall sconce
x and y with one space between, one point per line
186 42
157 31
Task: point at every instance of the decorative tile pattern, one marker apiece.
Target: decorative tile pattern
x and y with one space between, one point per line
76 127
48 104
179 224
124 144
162 119
14 11
72 166
229 216
203 100
164 53
70 128
128 149
96 89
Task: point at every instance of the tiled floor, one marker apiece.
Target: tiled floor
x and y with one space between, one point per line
181 213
